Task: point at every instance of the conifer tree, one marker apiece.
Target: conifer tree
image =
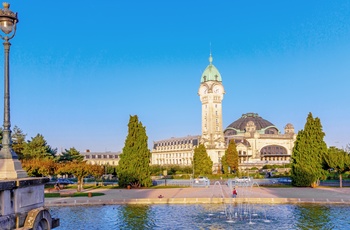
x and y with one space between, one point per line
202 163
70 155
309 151
347 148
18 141
134 168
37 148
224 165
232 156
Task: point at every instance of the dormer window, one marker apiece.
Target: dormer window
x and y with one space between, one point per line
250 127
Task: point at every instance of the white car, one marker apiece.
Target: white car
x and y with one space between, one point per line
243 179
201 179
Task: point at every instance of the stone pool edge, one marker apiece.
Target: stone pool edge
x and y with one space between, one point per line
96 201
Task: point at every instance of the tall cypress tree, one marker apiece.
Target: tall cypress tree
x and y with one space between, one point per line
224 165
232 156
203 165
309 151
134 168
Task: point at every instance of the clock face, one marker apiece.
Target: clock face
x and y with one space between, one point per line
217 89
204 90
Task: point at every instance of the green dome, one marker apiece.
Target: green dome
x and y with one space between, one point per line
211 73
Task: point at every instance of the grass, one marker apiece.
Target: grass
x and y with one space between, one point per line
76 194
52 195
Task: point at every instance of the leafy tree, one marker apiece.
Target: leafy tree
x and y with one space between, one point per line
157 170
70 155
224 165
80 170
308 157
231 157
347 148
202 163
339 160
38 148
18 141
109 169
39 167
134 163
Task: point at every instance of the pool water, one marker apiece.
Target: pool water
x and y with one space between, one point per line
203 216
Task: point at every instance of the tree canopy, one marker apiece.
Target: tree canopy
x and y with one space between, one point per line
80 170
37 148
308 157
134 163
203 165
39 167
18 141
70 155
338 160
231 159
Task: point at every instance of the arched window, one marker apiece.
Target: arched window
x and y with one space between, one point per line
273 150
271 131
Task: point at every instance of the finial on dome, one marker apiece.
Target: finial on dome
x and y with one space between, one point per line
210 59
6 5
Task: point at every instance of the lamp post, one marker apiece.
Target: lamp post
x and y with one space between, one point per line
10 166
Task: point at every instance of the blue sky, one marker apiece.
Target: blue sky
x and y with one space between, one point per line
80 68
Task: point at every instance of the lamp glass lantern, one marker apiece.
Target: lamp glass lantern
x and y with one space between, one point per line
8 19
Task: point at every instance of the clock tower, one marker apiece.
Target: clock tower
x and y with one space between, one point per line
211 93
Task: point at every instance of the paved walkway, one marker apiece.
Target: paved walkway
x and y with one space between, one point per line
211 194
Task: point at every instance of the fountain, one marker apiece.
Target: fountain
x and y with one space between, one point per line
221 212
244 211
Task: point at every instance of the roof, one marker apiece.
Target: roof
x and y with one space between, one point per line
176 139
241 123
101 153
211 73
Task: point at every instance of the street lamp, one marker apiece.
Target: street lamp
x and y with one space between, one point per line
10 166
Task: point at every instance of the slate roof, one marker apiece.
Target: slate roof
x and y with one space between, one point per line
241 123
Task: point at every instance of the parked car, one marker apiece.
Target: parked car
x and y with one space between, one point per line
63 181
243 179
284 180
201 179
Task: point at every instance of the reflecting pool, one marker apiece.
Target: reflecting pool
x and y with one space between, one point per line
203 216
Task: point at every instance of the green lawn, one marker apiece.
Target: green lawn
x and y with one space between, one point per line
76 194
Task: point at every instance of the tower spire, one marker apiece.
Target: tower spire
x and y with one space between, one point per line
210 56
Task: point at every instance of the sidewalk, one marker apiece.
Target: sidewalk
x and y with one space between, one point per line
212 194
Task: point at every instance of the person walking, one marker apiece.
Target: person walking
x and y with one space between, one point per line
234 193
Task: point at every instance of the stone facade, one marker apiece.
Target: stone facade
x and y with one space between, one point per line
174 151
101 158
258 141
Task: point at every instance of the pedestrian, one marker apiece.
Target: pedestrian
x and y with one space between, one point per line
234 193
57 186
